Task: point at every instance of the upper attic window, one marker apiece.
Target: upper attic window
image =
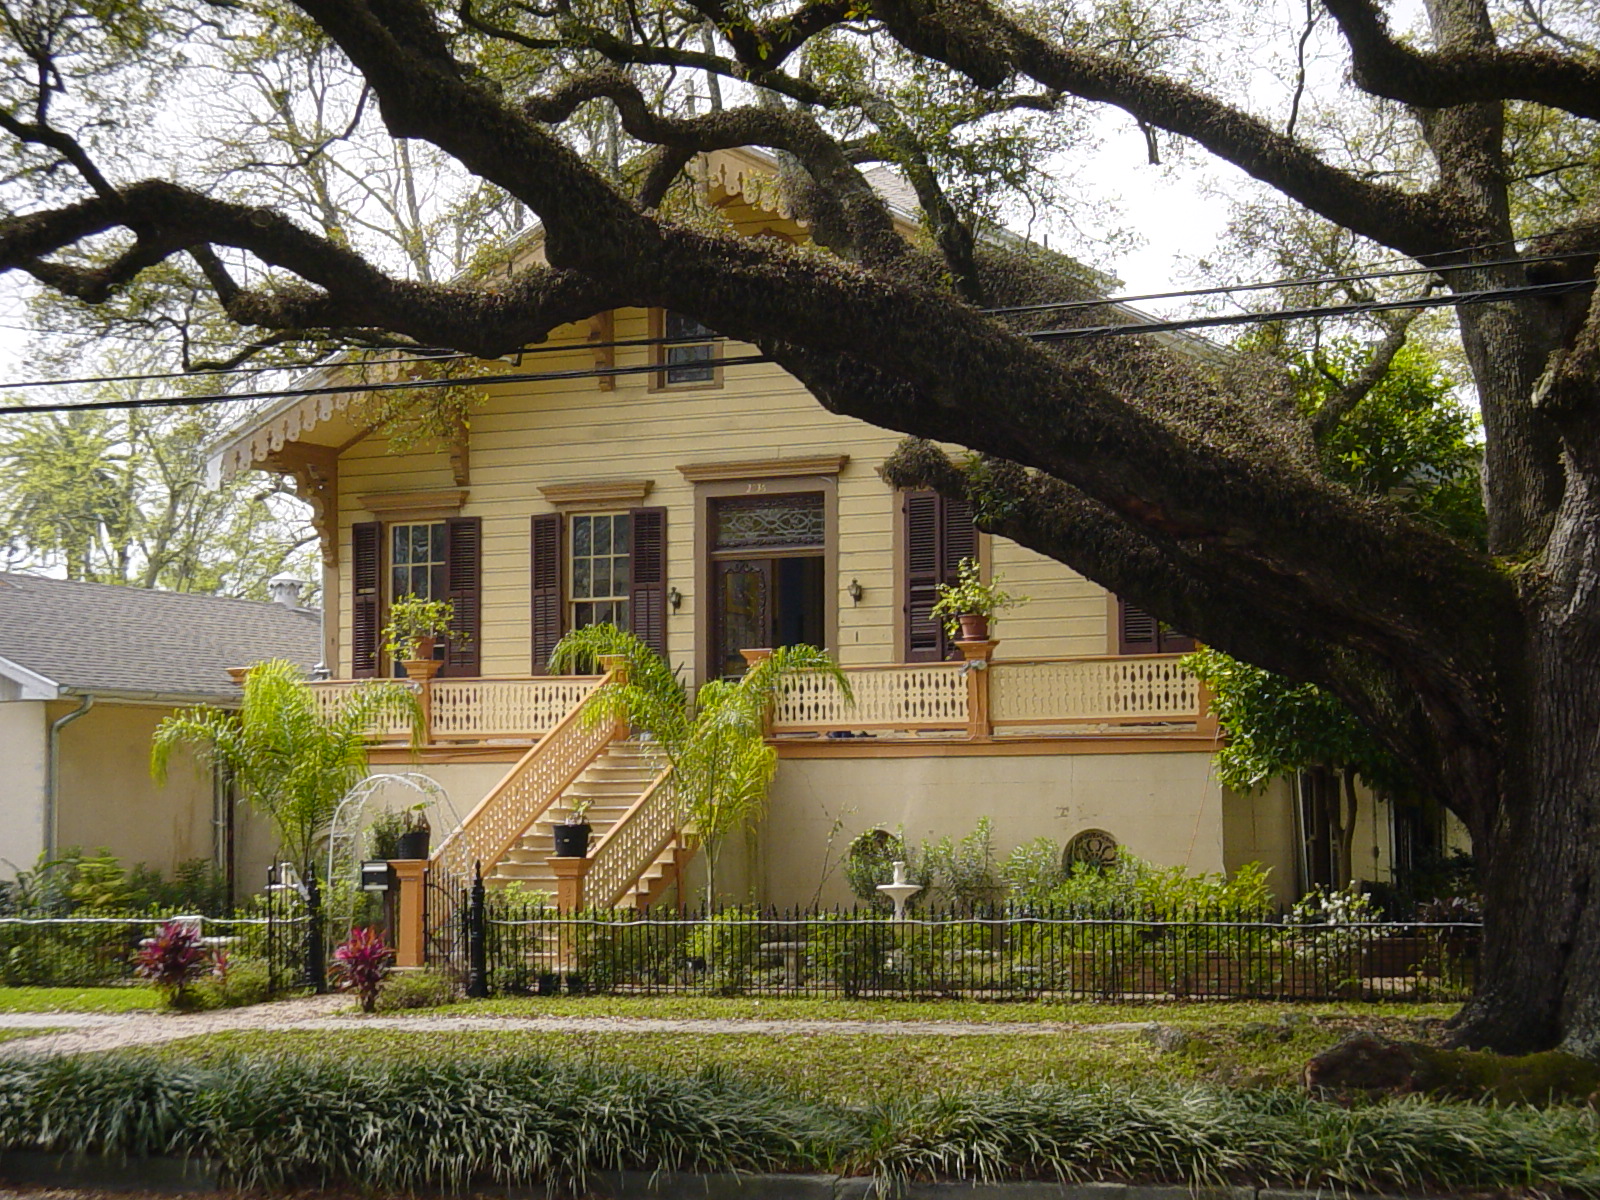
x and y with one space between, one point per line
689 355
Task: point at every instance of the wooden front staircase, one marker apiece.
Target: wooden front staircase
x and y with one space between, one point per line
613 784
637 845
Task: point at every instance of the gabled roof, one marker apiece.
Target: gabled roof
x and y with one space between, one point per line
59 637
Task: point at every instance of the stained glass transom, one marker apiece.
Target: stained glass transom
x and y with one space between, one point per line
770 522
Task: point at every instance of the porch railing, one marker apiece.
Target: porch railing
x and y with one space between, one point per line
981 696
932 696
525 794
467 710
1141 688
968 699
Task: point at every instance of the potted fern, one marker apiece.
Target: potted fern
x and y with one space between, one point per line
967 606
415 628
572 835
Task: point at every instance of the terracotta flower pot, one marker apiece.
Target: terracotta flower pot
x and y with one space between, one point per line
974 627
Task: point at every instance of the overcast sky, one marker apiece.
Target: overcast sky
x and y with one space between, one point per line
1180 210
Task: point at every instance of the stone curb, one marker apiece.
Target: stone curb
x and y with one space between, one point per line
178 1176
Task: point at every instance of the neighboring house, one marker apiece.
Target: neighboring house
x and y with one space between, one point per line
87 671
715 510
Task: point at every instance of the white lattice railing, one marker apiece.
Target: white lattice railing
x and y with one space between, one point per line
466 709
1091 690
522 797
463 710
911 697
330 696
637 839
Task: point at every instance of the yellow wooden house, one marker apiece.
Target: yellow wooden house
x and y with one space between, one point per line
716 509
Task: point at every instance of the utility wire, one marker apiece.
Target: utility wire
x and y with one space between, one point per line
423 354
1487 296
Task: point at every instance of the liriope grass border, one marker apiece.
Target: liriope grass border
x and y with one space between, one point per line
524 1120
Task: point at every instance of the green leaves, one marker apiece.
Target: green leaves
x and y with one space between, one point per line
287 758
1276 727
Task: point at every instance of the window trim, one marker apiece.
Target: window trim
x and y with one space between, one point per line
704 560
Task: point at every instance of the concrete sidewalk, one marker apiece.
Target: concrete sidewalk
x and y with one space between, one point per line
82 1033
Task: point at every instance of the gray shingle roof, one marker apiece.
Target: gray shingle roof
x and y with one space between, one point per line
88 636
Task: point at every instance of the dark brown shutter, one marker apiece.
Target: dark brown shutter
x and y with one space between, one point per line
1140 633
939 534
366 596
546 589
647 590
923 574
463 560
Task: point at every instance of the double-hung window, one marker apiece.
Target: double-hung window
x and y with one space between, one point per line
428 560
601 557
689 355
598 567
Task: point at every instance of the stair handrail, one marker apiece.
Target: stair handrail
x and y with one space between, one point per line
634 841
527 791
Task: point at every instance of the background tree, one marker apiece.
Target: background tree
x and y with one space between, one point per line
287 760
1189 485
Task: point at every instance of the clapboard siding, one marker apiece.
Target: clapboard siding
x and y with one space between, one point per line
566 431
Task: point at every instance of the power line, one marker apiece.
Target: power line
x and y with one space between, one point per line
1304 281
425 354
1487 296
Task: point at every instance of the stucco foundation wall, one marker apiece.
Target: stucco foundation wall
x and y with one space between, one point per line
1163 807
107 798
24 743
1260 829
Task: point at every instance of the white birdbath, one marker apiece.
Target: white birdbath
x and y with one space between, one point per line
899 891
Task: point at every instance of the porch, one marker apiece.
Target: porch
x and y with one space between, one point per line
982 698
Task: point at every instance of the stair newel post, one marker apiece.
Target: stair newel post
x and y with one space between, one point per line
753 659
315 944
978 656
616 666
477 940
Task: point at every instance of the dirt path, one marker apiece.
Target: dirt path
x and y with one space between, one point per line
81 1033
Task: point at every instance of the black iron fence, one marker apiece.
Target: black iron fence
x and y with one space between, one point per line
1003 953
280 935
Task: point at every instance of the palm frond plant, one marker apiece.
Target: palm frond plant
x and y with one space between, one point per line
289 761
722 766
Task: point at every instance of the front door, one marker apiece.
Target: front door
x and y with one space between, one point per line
766 576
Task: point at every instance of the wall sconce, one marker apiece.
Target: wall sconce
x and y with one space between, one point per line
855 591
674 598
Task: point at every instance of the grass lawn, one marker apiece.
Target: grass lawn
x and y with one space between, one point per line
1186 1014
1252 1049
77 1000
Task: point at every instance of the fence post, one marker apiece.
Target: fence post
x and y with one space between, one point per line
477 948
316 949
978 656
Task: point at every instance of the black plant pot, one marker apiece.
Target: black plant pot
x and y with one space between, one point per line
413 845
572 841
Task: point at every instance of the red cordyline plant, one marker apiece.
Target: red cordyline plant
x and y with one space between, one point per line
171 960
362 963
